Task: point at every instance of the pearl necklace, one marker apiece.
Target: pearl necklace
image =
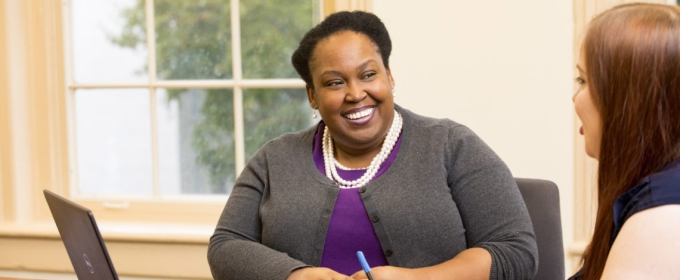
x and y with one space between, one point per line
339 165
385 150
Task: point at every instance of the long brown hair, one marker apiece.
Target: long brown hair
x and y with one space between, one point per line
632 57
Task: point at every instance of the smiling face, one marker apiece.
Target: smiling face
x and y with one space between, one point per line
587 111
352 91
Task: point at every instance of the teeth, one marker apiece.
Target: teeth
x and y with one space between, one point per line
358 115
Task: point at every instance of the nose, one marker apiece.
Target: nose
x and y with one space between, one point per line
355 92
573 97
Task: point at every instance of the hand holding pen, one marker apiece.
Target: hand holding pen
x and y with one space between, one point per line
364 265
385 272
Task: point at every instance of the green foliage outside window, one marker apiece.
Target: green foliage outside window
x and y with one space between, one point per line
193 41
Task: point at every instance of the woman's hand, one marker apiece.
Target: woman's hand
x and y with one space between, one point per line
316 273
387 273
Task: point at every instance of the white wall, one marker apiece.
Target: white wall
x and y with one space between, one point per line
503 68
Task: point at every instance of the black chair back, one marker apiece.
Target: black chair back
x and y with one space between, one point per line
543 202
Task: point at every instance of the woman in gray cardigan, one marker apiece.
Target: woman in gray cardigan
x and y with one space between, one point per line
422 198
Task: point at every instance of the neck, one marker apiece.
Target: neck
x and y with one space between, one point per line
356 158
385 149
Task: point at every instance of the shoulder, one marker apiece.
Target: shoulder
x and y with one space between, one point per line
658 189
433 127
457 142
664 186
418 120
293 138
288 145
647 246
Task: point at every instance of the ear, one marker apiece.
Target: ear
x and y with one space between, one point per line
311 96
389 76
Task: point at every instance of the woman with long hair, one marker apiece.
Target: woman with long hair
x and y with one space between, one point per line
629 103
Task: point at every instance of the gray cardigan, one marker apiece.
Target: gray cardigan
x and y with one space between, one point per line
445 192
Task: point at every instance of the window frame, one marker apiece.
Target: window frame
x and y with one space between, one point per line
38 148
204 208
201 209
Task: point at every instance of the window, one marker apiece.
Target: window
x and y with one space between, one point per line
44 90
171 98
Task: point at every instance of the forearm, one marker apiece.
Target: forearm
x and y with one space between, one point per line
240 259
471 264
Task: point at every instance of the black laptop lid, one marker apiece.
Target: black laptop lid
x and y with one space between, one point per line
81 237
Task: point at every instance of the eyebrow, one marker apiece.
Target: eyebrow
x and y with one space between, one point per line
330 72
362 66
579 68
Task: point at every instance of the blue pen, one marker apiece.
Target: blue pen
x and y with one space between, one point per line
364 265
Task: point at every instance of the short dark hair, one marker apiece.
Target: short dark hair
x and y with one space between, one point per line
357 21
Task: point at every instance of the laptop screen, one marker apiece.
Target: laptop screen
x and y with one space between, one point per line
81 237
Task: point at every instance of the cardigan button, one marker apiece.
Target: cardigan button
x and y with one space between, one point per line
362 190
388 253
375 219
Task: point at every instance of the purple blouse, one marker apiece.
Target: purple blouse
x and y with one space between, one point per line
350 229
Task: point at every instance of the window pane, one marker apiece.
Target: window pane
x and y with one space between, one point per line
272 112
193 39
113 138
270 31
109 41
196 141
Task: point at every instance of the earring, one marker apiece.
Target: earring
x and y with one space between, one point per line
394 92
314 114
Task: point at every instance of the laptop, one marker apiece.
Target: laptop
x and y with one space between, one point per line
81 237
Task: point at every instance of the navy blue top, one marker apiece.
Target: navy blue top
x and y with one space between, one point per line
661 188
